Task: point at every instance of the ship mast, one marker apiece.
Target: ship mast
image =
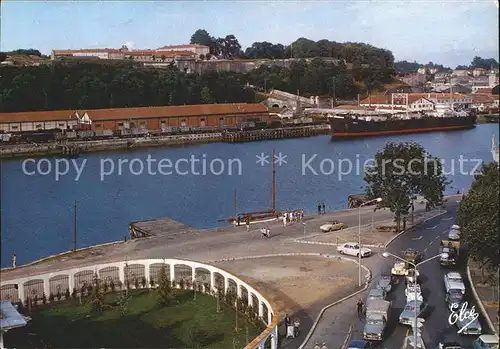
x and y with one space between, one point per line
274 182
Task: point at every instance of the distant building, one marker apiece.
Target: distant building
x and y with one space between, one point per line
479 71
492 79
422 70
414 80
194 48
446 88
460 72
150 118
416 101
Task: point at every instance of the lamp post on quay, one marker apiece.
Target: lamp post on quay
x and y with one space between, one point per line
359 235
415 265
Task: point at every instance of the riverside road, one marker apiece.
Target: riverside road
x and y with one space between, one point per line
215 245
424 238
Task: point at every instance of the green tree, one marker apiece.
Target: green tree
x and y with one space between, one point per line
122 300
96 300
401 171
479 219
206 96
164 289
202 37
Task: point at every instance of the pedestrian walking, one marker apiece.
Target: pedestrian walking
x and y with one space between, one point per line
359 307
14 260
288 320
324 209
248 223
296 325
319 208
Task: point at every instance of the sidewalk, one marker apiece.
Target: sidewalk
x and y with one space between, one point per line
488 295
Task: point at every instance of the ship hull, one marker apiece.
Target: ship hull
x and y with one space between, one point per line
352 127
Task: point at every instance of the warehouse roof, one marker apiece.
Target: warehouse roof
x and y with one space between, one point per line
136 113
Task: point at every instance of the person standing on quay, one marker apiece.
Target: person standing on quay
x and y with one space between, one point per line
248 223
14 260
324 209
319 208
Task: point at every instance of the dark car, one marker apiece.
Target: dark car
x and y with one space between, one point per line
454 297
412 255
359 344
449 345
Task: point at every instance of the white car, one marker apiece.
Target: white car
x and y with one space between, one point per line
353 249
410 293
332 226
454 233
399 269
453 281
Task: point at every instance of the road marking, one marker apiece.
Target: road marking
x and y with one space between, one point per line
430 243
407 332
425 249
437 237
419 238
447 219
431 228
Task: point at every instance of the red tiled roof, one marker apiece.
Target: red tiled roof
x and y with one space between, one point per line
136 113
179 46
480 98
159 53
484 90
87 50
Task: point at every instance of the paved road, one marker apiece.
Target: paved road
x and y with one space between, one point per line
436 328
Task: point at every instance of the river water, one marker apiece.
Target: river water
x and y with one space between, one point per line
111 190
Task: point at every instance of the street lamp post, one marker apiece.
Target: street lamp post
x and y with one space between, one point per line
386 255
359 235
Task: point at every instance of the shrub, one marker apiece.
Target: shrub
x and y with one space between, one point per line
35 301
187 284
89 289
152 282
105 286
164 289
182 284
44 298
119 284
207 288
122 301
20 305
74 294
97 298
174 284
144 282
200 287
67 295
112 285
58 295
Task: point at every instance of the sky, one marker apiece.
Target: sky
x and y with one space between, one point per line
441 31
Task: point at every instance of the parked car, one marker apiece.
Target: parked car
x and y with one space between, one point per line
409 340
454 233
410 293
360 344
486 341
377 314
470 325
411 275
399 269
412 255
454 297
385 282
408 314
353 249
332 226
375 293
453 281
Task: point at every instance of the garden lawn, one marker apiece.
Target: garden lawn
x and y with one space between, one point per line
187 324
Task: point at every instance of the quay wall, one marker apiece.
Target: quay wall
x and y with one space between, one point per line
77 147
206 277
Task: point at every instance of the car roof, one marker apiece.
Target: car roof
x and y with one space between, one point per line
358 342
453 274
489 338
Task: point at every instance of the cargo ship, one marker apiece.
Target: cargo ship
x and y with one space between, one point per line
361 123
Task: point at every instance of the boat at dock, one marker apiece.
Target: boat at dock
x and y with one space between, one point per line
358 123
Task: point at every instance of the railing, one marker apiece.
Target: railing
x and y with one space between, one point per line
135 273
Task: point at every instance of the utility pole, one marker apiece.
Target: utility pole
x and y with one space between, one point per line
74 230
334 100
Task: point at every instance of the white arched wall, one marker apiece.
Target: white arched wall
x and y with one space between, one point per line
18 289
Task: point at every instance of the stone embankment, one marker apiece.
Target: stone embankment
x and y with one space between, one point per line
65 148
